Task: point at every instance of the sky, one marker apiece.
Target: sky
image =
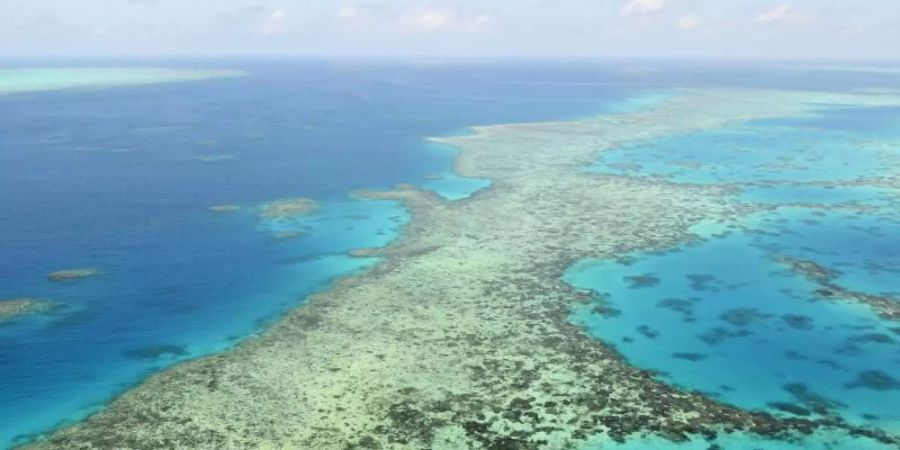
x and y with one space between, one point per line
757 29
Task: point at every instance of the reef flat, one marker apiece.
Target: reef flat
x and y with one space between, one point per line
888 308
17 307
224 208
460 337
72 274
17 81
286 209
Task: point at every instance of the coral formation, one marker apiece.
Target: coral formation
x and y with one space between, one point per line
72 274
459 337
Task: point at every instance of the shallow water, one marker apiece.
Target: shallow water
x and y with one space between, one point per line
49 79
802 150
727 318
447 183
822 195
121 180
741 441
726 315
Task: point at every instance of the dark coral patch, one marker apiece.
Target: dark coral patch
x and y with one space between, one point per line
648 332
719 334
605 310
685 307
875 380
789 408
694 357
833 365
741 317
641 281
797 321
700 281
815 402
877 338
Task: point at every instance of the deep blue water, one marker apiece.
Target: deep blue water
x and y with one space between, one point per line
121 180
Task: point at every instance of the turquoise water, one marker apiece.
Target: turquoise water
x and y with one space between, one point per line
740 441
774 150
862 248
121 180
28 80
726 318
780 194
447 183
725 315
454 187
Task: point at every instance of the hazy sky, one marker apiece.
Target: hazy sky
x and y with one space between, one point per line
856 29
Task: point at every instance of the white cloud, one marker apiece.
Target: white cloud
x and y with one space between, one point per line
275 24
435 20
100 31
776 13
480 23
784 13
642 7
350 13
689 21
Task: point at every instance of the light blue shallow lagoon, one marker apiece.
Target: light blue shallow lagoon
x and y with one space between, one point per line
835 147
815 195
728 314
122 180
727 317
740 441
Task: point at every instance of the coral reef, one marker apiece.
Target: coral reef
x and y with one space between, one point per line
286 209
459 337
72 274
224 208
17 307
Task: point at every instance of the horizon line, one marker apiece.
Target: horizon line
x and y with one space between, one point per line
449 57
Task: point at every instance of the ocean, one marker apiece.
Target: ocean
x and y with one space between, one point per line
122 179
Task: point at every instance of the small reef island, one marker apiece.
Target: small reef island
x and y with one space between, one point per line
462 335
288 209
17 307
225 208
19 81
72 274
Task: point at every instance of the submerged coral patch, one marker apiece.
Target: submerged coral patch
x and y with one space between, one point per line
17 307
72 274
689 356
460 337
876 380
224 208
288 209
641 281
